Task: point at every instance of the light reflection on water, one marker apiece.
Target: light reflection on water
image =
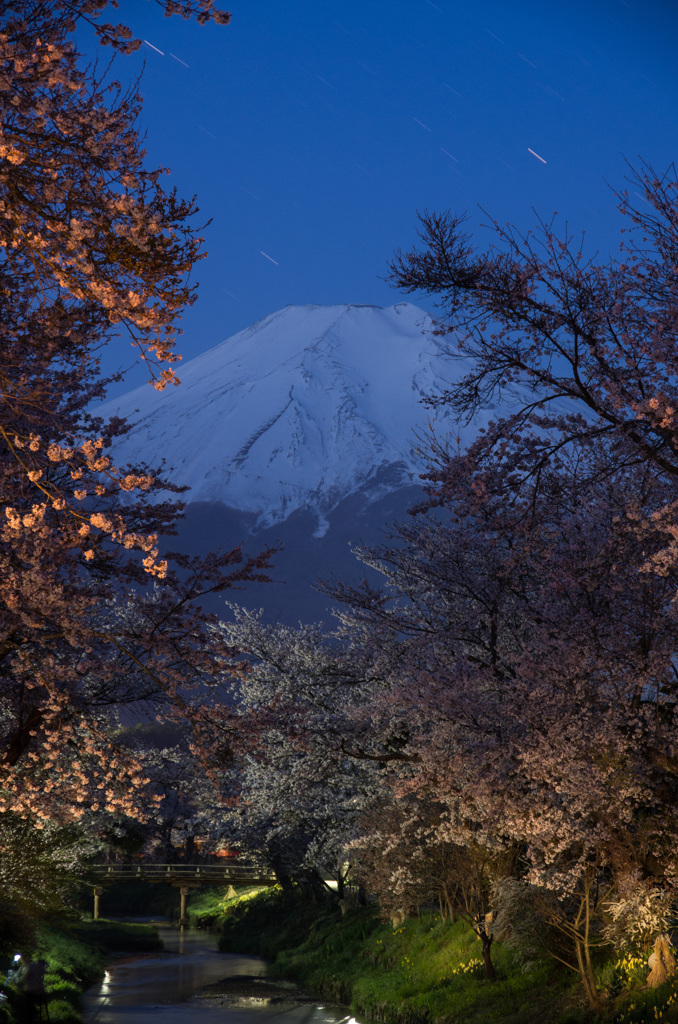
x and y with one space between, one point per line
155 987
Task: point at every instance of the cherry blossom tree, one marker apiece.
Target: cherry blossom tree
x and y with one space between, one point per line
187 810
93 251
511 692
511 688
402 859
525 657
296 795
527 630
585 348
40 870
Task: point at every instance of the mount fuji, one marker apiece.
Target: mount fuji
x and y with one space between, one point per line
300 428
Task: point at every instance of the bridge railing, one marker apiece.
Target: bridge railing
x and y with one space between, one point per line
203 872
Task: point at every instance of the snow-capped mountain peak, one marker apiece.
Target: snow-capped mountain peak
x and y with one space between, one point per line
300 410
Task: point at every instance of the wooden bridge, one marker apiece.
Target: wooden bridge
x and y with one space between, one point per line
182 876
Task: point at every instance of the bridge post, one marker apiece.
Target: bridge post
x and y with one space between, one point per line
97 894
184 891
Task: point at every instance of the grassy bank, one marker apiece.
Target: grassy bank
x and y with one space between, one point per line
426 972
207 906
211 906
75 957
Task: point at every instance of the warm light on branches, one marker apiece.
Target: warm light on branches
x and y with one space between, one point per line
93 251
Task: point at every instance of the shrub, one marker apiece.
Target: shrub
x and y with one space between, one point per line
62 1012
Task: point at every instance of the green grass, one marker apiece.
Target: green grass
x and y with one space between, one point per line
266 922
117 936
424 972
71 967
75 957
207 906
69 958
210 906
647 1006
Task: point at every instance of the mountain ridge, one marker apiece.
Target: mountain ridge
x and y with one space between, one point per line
299 410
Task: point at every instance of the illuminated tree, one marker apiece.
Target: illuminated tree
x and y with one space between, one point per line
92 249
295 794
525 664
529 618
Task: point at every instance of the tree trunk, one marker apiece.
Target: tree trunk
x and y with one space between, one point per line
281 873
486 941
313 884
587 976
450 904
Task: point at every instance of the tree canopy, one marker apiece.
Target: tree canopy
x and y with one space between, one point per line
512 682
94 251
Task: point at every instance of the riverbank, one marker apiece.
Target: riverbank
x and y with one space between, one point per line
426 971
421 972
75 956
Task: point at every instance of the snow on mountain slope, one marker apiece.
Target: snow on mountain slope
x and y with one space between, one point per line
300 410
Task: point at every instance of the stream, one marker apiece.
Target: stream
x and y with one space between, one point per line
158 987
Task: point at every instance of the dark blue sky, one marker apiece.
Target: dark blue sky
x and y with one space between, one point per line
313 132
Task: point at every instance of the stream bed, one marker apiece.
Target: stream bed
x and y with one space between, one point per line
165 987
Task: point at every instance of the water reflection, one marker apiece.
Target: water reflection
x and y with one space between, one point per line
138 989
